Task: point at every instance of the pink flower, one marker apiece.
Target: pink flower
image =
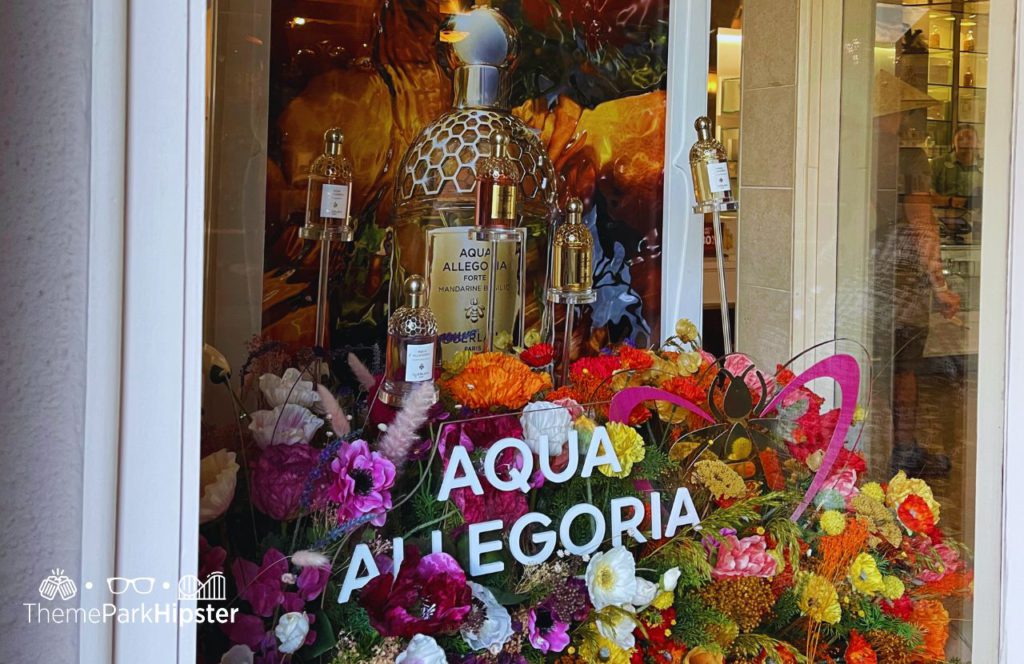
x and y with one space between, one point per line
950 560
362 482
843 482
211 558
279 477
260 585
430 596
743 557
546 632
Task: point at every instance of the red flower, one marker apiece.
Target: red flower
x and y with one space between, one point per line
860 651
915 514
430 596
538 355
635 359
900 608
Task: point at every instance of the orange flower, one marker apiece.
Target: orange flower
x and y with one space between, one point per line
564 392
635 359
916 515
932 619
950 584
860 651
496 379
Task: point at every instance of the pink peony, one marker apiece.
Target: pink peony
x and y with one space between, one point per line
843 482
743 557
279 477
362 482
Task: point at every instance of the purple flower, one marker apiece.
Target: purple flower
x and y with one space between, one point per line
362 482
260 585
279 478
547 633
312 581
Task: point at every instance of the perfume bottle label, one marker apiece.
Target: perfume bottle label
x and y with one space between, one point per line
419 362
457 271
718 177
334 201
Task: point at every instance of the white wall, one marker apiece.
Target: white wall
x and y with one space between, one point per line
44 202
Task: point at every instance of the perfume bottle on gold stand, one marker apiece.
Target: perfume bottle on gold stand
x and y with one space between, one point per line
572 274
496 226
328 219
713 194
412 345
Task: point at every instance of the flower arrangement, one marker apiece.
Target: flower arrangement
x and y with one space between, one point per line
663 506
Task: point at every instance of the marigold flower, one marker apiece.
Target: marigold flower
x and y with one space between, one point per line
818 599
629 447
893 588
496 379
932 620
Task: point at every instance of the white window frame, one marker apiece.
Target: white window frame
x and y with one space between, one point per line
144 341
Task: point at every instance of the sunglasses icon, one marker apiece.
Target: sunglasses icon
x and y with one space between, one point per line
119 585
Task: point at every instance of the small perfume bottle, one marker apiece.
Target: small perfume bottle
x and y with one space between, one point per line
969 43
412 342
968 78
710 171
496 185
935 39
572 253
505 244
329 195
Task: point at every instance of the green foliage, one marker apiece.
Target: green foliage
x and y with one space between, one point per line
788 535
689 556
876 619
784 612
656 463
354 620
752 645
695 620
743 512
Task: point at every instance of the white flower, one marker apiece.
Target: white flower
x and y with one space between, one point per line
422 650
670 579
291 631
218 475
543 418
496 628
240 654
611 578
644 594
288 389
289 424
618 628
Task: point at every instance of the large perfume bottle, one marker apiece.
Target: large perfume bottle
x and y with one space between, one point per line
329 194
435 185
711 186
412 345
572 252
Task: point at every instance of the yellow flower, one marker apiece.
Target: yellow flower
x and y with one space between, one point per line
503 341
864 575
701 655
686 330
595 647
663 600
458 361
819 599
629 447
901 486
532 338
833 522
873 489
893 589
721 480
688 363
218 474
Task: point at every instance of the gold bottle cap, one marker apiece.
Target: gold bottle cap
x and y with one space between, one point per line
703 127
415 287
499 144
574 211
334 138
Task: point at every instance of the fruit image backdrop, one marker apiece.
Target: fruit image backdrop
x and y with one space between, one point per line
590 79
